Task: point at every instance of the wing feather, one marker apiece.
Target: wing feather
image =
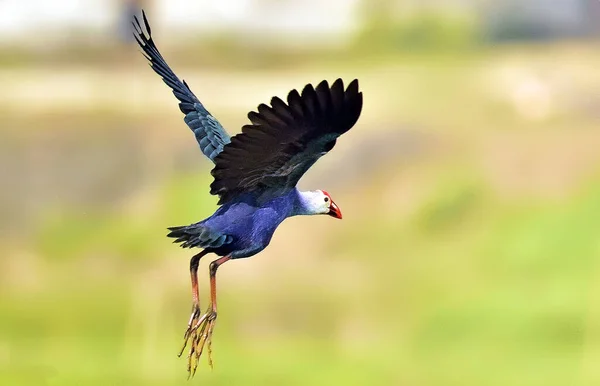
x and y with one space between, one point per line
209 133
284 140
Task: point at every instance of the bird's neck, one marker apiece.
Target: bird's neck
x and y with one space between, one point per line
304 203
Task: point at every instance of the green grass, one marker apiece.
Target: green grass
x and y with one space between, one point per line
508 304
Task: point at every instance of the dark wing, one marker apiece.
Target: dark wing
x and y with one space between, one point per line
211 136
284 140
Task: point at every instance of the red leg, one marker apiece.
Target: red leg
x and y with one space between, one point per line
213 280
194 262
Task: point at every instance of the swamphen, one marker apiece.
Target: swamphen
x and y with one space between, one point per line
255 174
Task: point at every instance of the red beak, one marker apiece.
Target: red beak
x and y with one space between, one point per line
334 211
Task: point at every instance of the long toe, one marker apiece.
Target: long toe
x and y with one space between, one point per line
201 336
194 318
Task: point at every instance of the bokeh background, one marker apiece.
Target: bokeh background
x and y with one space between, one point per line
469 253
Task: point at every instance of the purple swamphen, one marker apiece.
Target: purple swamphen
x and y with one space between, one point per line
255 174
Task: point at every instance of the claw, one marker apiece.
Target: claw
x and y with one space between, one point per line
199 334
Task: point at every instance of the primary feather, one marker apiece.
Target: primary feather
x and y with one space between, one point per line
211 136
284 140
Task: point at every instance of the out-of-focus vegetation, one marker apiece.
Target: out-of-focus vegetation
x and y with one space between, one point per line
425 31
468 253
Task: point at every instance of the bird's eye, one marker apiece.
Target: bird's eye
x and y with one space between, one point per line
326 199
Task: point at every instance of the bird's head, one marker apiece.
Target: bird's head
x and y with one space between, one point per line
320 202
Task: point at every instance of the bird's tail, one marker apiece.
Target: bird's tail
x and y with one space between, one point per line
198 235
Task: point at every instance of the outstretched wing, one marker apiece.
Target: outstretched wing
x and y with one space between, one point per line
284 140
211 136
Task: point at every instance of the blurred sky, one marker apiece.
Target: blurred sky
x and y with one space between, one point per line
20 19
25 21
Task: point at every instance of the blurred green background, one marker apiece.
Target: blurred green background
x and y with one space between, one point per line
469 251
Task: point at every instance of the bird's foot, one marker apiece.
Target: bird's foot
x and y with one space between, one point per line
193 320
199 334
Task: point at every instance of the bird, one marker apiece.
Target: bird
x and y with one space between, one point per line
255 174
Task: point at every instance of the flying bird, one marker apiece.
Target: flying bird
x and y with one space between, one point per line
255 174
